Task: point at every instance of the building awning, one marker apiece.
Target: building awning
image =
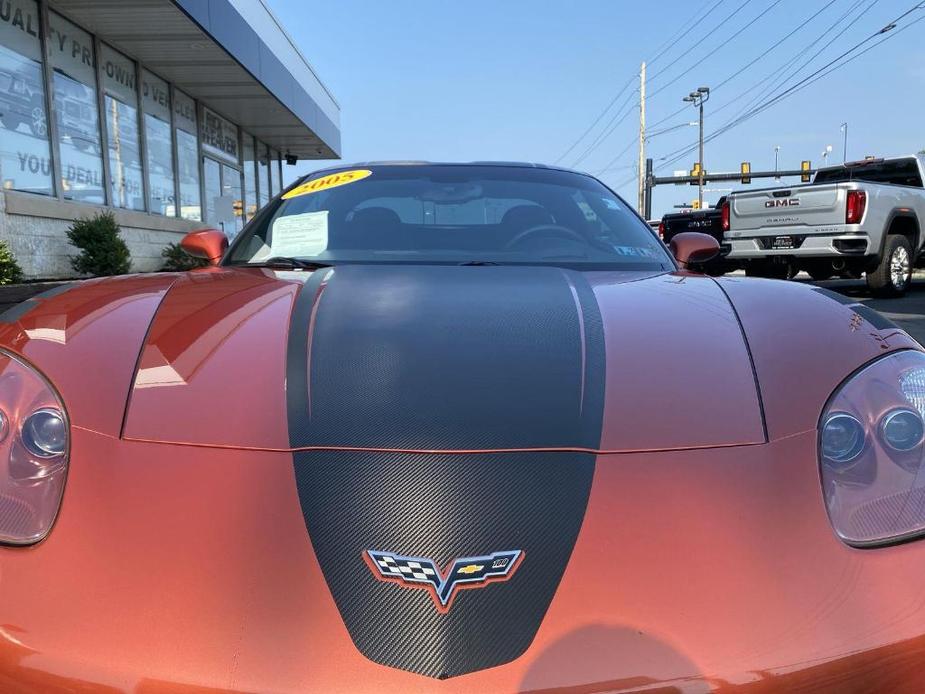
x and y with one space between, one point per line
233 56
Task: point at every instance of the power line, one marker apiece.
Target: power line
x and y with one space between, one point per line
718 48
596 120
684 28
802 25
670 43
618 168
782 80
611 125
775 74
742 6
738 72
728 79
616 158
825 70
776 82
803 84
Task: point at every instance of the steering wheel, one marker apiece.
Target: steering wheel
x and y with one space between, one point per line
545 230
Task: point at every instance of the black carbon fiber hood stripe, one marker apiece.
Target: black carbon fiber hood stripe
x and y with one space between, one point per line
426 357
449 359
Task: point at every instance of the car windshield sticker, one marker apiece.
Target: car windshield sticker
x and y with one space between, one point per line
635 251
300 235
341 178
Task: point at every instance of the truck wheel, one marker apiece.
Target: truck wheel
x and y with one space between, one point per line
893 273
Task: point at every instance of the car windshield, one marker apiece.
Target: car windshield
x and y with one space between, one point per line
451 214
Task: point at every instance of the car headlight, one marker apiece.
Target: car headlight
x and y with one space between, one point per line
872 452
34 451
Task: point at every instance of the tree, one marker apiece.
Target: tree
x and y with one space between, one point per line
10 272
102 250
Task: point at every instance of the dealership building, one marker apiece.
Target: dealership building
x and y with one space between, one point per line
172 114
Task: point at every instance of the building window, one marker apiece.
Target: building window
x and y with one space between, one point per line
276 183
212 172
184 119
263 174
25 157
155 102
219 137
250 177
121 105
231 192
75 106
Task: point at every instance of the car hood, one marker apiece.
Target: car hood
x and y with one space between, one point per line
444 358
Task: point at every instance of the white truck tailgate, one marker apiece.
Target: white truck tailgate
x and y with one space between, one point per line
788 207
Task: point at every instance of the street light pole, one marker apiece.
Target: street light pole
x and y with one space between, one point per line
700 156
776 153
844 156
698 98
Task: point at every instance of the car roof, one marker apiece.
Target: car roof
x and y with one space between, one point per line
399 162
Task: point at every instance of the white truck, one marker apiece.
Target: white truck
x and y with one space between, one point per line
864 217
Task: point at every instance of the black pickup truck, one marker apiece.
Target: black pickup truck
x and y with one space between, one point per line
709 221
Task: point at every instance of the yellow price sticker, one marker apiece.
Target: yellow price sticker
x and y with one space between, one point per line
341 178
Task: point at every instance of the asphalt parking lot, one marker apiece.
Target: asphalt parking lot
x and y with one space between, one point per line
908 312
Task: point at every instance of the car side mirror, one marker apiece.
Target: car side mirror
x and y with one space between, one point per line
693 248
208 244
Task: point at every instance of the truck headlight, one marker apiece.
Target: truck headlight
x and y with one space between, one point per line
872 452
34 451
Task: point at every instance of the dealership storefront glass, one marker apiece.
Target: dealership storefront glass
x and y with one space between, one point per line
121 106
184 120
25 155
120 134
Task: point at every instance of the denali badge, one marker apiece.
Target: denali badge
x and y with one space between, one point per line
468 572
783 202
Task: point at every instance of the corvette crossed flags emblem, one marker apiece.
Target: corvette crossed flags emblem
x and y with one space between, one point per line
460 574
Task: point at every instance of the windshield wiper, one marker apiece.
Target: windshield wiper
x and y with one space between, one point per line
287 263
477 263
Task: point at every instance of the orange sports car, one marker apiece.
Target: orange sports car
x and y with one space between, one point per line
458 428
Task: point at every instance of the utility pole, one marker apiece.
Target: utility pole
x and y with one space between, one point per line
641 206
844 154
698 98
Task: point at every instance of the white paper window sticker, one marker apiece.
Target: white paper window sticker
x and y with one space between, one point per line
300 235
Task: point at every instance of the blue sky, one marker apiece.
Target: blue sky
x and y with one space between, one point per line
522 80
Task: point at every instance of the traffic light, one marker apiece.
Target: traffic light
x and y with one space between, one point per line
805 167
695 173
695 204
746 168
